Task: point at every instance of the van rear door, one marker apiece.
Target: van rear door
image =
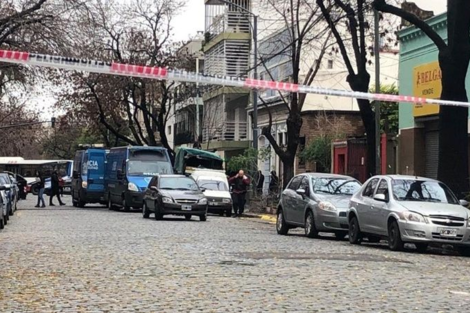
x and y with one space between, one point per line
95 165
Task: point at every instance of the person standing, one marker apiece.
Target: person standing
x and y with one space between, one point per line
260 183
273 183
41 186
55 188
240 184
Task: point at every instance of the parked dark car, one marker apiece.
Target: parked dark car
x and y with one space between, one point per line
174 195
22 184
10 191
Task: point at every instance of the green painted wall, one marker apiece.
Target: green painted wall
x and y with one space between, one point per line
417 49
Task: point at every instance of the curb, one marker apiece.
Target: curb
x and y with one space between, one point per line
269 218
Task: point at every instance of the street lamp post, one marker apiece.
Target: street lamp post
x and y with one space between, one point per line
255 69
377 90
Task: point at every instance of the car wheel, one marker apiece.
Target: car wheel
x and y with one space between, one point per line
421 247
145 211
158 215
310 229
281 225
187 217
2 223
221 213
394 237
464 251
355 236
228 212
12 211
340 235
373 239
110 203
203 218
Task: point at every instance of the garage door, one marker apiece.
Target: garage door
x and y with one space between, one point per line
432 153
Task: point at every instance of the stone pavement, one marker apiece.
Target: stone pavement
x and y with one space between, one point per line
65 259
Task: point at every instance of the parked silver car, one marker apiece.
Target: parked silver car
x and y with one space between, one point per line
409 209
318 203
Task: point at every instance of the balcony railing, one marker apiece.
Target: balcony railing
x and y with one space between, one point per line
229 131
184 138
231 22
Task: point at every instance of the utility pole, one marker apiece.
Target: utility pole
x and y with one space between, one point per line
377 90
197 103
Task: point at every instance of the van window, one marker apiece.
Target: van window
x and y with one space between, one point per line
148 163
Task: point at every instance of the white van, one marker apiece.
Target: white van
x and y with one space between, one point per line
216 189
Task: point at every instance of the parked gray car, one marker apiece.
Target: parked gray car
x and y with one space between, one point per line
318 203
409 209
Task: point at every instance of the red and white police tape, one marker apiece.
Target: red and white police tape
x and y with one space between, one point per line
162 73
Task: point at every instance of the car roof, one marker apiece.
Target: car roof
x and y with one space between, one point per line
327 175
406 177
172 176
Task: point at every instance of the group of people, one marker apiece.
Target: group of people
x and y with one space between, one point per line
56 182
240 184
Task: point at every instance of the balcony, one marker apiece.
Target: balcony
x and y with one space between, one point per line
186 137
229 131
230 22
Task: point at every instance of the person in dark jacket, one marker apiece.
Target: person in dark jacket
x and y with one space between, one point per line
259 183
41 186
273 183
55 187
240 184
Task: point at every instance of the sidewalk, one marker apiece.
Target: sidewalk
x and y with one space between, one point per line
266 218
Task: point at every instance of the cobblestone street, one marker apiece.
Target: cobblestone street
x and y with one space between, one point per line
65 259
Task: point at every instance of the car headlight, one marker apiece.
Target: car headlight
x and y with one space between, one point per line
84 184
132 187
413 217
226 200
202 201
327 206
167 200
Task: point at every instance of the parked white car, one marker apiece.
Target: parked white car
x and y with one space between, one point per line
409 209
216 189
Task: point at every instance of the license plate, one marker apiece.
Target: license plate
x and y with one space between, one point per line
186 208
449 232
213 203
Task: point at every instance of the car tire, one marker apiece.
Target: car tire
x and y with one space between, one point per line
12 212
310 229
340 235
188 217
228 212
373 239
158 215
355 235
394 237
464 251
421 247
110 203
281 226
145 211
2 223
203 218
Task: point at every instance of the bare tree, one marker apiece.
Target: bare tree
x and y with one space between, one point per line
304 43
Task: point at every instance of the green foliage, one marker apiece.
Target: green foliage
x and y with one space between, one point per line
388 110
319 151
248 161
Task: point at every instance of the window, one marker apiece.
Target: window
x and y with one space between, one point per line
330 64
370 188
338 186
295 183
304 185
178 183
169 130
422 191
383 189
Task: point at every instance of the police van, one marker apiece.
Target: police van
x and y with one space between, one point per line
88 177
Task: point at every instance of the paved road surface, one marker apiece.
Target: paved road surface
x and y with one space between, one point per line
65 259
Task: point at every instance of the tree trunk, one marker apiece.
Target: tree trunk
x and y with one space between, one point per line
453 123
288 170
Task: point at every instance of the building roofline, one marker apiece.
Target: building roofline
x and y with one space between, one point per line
436 22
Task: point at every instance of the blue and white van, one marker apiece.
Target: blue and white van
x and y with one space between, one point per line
129 171
88 177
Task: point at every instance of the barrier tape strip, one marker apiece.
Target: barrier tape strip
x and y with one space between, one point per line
162 73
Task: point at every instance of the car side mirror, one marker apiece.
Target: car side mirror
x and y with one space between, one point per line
7 186
463 203
202 189
300 192
381 198
154 188
3 188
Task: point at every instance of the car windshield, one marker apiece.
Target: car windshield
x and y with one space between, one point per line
337 186
217 185
178 183
423 191
148 168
